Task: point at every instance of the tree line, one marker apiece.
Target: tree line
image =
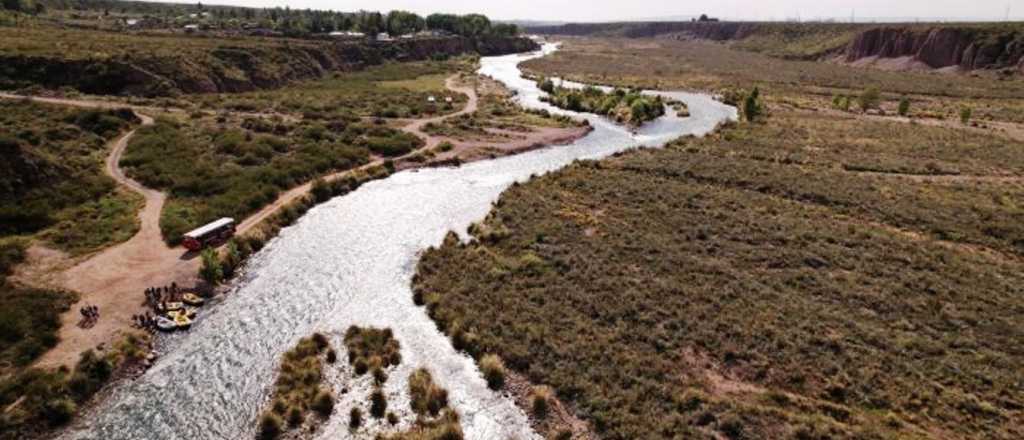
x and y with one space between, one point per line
293 22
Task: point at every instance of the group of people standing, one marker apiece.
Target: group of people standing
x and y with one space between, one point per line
157 295
145 322
90 314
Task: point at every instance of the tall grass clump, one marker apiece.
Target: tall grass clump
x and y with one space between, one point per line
494 371
298 390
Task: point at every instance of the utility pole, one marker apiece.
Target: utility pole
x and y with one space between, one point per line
1007 17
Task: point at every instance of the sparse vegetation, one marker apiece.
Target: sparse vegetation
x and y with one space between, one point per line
298 389
435 420
37 400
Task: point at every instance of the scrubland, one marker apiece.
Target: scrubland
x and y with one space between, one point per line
816 274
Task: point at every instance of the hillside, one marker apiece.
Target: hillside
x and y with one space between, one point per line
114 63
965 46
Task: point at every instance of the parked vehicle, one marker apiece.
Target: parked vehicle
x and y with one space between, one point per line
212 234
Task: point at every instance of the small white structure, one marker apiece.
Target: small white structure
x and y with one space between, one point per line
131 21
431 99
448 99
191 28
383 36
347 34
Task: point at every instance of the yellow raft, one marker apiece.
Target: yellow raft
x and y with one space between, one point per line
193 299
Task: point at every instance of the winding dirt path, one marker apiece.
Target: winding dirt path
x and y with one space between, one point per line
115 278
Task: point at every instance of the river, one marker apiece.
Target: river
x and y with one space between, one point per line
350 261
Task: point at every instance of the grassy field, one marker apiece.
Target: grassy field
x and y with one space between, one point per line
52 183
814 275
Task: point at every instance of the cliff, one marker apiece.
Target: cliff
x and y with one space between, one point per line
941 47
968 47
232 68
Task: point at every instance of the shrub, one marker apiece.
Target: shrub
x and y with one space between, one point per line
965 115
752 105
372 348
392 419
540 400
211 270
355 418
425 397
323 403
270 426
494 371
904 108
294 416
60 411
332 356
378 404
870 98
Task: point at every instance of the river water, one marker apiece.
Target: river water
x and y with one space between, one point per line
350 262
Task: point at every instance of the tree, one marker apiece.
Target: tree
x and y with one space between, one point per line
870 98
211 271
904 108
474 25
443 22
13 5
404 22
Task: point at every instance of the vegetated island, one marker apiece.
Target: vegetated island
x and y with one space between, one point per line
624 106
302 387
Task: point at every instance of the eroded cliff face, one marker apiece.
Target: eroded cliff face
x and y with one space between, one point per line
941 47
968 47
234 69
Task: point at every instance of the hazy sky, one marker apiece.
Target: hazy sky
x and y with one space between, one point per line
608 10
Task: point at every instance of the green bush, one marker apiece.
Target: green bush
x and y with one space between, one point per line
870 98
904 108
210 270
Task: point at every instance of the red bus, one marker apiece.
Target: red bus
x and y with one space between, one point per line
212 234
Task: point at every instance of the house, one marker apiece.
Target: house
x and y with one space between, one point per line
383 36
190 28
431 99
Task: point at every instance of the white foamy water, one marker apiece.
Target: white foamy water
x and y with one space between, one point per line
348 262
